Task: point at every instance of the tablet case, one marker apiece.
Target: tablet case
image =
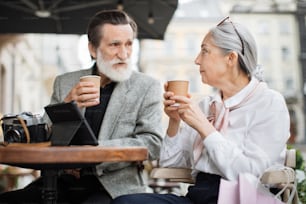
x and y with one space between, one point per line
69 126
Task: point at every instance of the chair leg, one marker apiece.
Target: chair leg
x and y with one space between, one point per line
295 198
286 195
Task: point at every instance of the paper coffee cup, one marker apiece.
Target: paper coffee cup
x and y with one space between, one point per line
92 78
179 88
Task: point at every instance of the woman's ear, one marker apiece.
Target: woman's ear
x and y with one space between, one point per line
233 58
92 50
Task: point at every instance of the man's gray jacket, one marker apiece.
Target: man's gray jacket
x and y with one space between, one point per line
132 118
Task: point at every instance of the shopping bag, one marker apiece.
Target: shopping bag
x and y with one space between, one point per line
228 192
244 191
252 194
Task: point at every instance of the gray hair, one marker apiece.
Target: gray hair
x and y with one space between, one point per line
228 36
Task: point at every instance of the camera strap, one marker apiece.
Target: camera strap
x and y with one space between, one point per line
25 128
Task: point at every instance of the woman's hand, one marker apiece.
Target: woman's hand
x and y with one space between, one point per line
191 114
84 94
169 107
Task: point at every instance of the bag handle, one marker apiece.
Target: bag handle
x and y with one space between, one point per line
287 185
286 170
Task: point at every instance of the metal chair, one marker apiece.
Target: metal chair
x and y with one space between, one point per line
276 177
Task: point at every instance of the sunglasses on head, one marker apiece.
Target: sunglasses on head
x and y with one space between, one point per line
236 31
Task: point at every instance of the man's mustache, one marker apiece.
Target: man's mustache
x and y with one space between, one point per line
117 61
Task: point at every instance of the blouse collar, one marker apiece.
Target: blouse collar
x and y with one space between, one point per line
238 97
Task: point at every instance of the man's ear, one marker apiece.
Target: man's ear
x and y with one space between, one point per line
92 51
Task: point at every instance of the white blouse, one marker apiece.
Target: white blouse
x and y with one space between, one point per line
254 140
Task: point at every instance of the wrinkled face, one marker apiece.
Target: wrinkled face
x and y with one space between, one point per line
113 55
212 62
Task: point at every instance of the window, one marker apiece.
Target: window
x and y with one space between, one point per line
289 84
284 28
285 52
191 44
263 27
265 53
169 44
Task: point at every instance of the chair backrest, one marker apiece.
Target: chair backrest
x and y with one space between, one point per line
184 175
290 159
272 177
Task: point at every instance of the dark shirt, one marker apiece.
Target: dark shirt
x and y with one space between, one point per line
95 114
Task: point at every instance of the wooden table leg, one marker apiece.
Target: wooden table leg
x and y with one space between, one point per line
49 191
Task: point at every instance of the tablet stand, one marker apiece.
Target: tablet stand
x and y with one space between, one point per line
63 132
69 127
70 133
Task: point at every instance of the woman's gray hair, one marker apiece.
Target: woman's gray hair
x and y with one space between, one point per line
228 36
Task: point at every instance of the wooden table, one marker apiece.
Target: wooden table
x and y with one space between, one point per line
50 159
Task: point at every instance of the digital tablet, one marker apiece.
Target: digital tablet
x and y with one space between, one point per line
69 126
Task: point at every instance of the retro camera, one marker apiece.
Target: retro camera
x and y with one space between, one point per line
24 128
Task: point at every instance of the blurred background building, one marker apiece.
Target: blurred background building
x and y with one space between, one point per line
30 62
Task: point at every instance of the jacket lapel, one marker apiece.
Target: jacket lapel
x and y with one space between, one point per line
114 109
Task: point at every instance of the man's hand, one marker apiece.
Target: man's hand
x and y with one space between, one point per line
75 172
84 94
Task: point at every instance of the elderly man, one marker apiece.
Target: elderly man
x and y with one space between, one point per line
128 113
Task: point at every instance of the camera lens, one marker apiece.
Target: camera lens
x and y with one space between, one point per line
13 135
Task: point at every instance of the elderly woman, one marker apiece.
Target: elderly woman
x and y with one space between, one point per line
243 128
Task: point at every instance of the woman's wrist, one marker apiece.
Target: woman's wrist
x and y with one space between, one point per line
206 130
173 127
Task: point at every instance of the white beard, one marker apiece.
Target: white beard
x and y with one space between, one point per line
106 68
